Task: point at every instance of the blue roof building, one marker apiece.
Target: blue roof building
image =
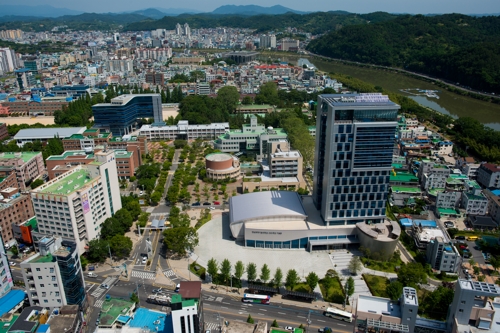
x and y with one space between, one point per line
10 301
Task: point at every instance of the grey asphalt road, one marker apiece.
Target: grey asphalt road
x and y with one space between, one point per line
219 308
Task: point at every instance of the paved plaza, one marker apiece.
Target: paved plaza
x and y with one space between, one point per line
215 242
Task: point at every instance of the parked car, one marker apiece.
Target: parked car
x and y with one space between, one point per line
288 328
216 203
177 287
460 238
91 268
212 207
206 204
196 204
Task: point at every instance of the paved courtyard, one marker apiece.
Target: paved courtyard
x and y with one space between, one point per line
215 242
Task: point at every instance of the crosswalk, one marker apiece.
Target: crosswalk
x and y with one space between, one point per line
144 275
214 299
168 273
211 326
99 290
98 304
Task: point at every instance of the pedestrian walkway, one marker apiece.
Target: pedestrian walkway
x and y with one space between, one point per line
340 260
144 275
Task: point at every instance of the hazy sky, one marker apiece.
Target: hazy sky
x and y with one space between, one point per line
355 6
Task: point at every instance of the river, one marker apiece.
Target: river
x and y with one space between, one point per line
448 103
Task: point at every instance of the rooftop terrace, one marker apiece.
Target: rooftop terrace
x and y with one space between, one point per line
378 305
113 308
25 155
71 153
406 189
6 325
404 177
67 183
42 259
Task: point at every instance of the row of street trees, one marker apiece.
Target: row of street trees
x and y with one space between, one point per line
112 238
222 272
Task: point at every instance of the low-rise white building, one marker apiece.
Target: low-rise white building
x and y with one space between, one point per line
488 175
474 202
448 199
443 148
184 131
443 256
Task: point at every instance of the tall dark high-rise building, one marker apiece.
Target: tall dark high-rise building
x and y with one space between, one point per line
355 136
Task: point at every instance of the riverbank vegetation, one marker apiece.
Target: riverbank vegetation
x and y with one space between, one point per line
470 136
458 48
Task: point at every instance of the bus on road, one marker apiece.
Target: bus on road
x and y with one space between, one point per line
338 314
252 298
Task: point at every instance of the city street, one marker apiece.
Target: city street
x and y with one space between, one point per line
219 308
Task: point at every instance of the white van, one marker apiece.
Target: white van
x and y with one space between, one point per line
92 275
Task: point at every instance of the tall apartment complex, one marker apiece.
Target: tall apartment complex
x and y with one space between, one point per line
352 165
54 277
75 204
120 116
268 41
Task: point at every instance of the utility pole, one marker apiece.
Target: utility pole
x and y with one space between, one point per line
308 320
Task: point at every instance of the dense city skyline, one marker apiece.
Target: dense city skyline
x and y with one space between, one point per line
355 6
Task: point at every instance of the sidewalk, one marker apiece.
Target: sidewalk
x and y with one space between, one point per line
180 267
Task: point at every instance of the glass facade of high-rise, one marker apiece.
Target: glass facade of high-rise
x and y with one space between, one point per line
121 115
71 273
354 143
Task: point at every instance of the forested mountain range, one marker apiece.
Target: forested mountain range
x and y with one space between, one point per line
459 48
316 23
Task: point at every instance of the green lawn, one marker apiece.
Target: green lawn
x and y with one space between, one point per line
197 270
476 233
334 293
383 266
377 284
303 288
445 277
